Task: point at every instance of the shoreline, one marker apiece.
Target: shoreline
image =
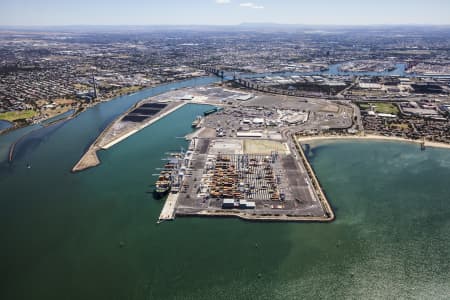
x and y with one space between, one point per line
17 126
90 158
373 137
145 124
253 217
13 145
90 105
327 208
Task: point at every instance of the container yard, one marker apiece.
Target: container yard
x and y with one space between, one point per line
225 181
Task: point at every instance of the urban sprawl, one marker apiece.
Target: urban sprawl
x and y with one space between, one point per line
398 77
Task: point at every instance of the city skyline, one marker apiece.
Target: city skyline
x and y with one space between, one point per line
223 12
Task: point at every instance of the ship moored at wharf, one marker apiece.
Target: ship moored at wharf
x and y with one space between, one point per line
196 123
171 176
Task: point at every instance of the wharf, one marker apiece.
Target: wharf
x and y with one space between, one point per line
248 216
315 182
168 211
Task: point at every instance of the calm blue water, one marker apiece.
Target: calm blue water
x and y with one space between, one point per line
59 117
5 124
399 70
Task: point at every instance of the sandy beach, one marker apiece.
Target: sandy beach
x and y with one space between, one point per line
303 139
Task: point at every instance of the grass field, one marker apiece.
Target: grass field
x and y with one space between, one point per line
401 126
381 107
17 115
126 90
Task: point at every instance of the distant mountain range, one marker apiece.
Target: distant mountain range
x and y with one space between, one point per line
238 27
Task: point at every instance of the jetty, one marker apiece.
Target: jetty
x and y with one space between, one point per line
168 211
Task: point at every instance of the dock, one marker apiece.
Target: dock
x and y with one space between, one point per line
329 213
168 211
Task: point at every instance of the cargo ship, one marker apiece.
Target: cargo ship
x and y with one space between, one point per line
169 175
173 163
211 111
163 184
197 121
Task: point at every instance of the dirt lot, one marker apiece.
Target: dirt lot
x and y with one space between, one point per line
263 147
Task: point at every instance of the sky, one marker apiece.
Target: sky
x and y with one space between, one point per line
222 12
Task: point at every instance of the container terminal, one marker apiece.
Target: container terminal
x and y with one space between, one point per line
220 178
243 160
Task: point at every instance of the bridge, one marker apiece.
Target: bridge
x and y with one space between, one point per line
212 70
255 86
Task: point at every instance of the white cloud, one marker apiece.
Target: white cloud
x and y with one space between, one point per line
223 1
251 5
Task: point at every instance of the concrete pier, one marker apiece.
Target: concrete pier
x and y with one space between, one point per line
318 189
168 211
